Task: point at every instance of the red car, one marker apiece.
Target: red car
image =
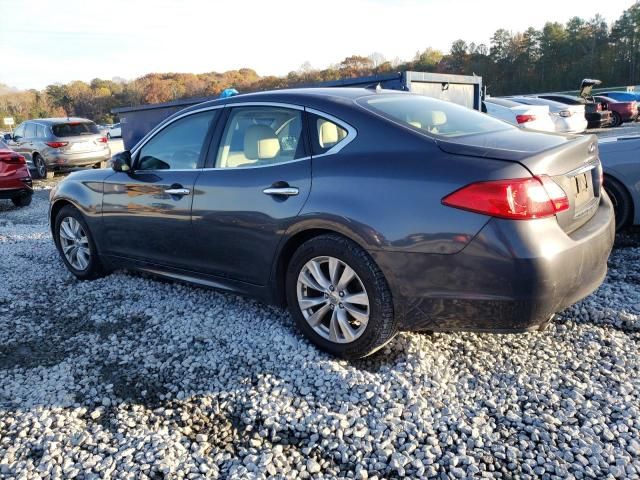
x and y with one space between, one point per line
620 111
15 179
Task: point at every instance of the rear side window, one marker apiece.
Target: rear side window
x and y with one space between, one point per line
73 129
437 117
325 134
30 130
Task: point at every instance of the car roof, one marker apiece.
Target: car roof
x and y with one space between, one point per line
57 121
296 96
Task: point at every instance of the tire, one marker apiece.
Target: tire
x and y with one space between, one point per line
621 200
616 119
41 166
22 200
361 338
93 268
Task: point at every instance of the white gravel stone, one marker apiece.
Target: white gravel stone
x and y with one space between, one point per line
132 377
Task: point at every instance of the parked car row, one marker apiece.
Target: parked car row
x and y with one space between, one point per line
53 144
569 114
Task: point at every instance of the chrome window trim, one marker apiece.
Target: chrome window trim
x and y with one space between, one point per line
352 133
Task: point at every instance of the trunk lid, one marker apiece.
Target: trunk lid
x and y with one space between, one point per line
571 161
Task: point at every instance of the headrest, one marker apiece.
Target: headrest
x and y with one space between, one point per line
260 143
327 133
438 118
428 119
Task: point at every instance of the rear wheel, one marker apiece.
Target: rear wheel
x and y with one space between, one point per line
616 119
41 167
621 201
75 244
22 200
339 297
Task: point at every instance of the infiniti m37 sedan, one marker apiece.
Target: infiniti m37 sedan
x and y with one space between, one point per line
366 212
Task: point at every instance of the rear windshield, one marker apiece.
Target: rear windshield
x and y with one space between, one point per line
437 117
73 129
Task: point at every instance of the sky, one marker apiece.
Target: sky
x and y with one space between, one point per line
42 44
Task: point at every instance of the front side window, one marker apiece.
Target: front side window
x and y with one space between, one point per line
19 131
437 117
178 146
257 136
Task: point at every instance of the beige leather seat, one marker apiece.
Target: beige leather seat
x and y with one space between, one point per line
260 143
329 133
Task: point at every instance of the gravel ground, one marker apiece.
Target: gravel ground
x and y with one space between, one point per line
131 377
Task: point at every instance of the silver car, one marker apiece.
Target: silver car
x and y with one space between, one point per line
620 158
53 144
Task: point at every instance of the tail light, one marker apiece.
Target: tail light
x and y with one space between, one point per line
57 144
525 118
564 113
517 199
12 158
102 140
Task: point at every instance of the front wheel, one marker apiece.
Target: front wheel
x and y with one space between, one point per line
75 244
339 297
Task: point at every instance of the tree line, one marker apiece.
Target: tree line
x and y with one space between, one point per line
554 58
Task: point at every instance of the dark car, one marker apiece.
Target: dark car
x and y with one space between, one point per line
54 144
15 179
621 112
366 212
621 163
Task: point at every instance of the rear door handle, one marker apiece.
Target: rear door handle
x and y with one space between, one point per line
177 191
285 191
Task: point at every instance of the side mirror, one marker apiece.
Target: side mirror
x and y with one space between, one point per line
121 162
8 137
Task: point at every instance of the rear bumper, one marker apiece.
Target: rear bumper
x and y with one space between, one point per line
510 278
68 160
598 119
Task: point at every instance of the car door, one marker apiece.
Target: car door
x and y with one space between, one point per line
259 180
20 142
147 211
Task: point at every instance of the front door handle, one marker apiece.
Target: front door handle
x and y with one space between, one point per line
177 191
285 191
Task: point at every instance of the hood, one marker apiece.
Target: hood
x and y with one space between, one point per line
587 85
513 144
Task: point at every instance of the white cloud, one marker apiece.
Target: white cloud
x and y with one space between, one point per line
77 39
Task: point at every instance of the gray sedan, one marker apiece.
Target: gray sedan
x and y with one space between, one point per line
621 162
365 212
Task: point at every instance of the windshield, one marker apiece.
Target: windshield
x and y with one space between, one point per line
73 129
437 117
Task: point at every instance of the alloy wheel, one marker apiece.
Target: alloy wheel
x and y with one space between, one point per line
40 166
74 243
333 299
